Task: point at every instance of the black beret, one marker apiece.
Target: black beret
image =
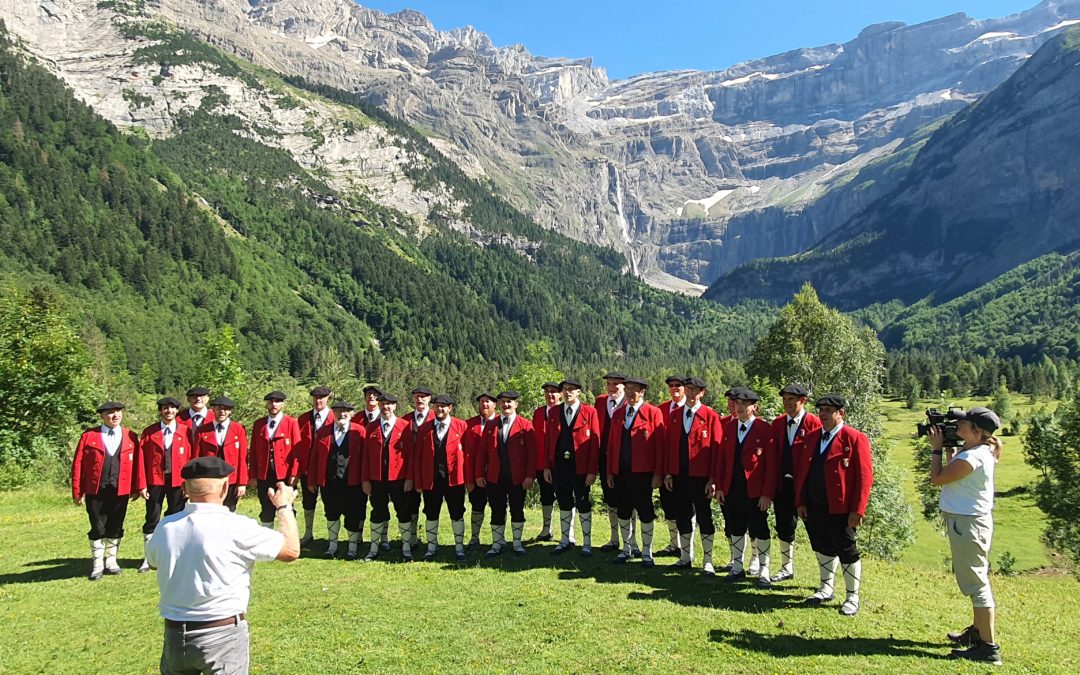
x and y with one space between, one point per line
510 394
572 381
423 391
984 418
795 390
387 398
373 388
168 401
615 375
320 391
210 466
443 399
638 381
675 379
730 393
342 405
275 396
109 406
834 400
696 382
744 394
198 391
550 385
222 402
488 394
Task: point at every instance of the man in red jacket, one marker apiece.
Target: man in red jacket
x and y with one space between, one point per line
275 444
606 404
438 471
668 503
476 453
103 475
508 472
197 413
335 470
746 477
316 429
636 465
222 437
369 414
541 418
570 457
833 476
693 440
385 475
791 430
164 449
421 419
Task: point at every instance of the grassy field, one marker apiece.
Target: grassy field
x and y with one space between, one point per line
533 614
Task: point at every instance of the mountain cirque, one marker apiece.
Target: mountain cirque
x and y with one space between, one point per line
689 173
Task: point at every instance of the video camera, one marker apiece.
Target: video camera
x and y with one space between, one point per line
946 421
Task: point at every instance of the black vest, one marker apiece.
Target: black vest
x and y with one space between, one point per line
564 445
684 447
337 464
386 452
505 474
271 461
738 474
626 452
814 488
110 470
441 468
786 462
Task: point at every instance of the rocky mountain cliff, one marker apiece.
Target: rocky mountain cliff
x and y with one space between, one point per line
992 189
688 173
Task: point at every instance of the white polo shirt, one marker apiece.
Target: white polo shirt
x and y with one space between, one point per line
204 556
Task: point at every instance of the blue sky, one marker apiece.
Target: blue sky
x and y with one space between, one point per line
634 36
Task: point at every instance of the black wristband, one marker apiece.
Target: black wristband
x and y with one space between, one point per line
283 506
939 453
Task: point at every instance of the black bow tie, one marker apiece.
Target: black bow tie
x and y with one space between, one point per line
689 413
742 429
272 423
166 431
112 432
825 436
790 422
220 427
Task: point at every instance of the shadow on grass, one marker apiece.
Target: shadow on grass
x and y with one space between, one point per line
49 570
800 645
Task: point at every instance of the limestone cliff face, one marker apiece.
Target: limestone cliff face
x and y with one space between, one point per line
990 190
688 173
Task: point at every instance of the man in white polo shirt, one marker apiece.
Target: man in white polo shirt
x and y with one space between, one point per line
204 556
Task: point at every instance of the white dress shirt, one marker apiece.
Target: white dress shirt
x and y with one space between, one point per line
745 425
832 434
271 431
689 421
224 429
793 428
167 438
204 555
112 442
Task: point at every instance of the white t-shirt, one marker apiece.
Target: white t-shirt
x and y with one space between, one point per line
972 495
204 556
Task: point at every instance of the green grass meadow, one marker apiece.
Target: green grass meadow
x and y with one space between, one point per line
538 613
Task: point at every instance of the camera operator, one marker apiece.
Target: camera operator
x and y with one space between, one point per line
966 479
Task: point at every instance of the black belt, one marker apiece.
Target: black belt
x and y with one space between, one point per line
201 625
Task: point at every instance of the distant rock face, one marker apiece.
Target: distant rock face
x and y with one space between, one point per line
991 189
636 163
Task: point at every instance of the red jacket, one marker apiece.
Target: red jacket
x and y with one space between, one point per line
760 457
810 422
540 424
849 472
646 440
400 451
285 445
90 460
321 441
520 445
475 446
586 434
152 455
320 455
704 441
185 417
602 412
234 448
423 466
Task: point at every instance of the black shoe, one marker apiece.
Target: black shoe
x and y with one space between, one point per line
735 576
782 576
543 537
982 652
460 555
407 557
815 601
350 556
113 571
562 548
670 550
681 564
429 556
96 574
726 569
965 638
610 546
621 559
764 582
635 552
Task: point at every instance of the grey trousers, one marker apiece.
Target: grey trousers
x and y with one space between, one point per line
213 650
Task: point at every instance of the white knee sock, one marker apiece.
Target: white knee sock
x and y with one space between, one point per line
477 522
764 546
406 540
459 534
586 529
827 571
684 548
309 524
354 542
333 527
431 529
624 528
546 509
613 520
518 529
738 547
787 557
566 524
